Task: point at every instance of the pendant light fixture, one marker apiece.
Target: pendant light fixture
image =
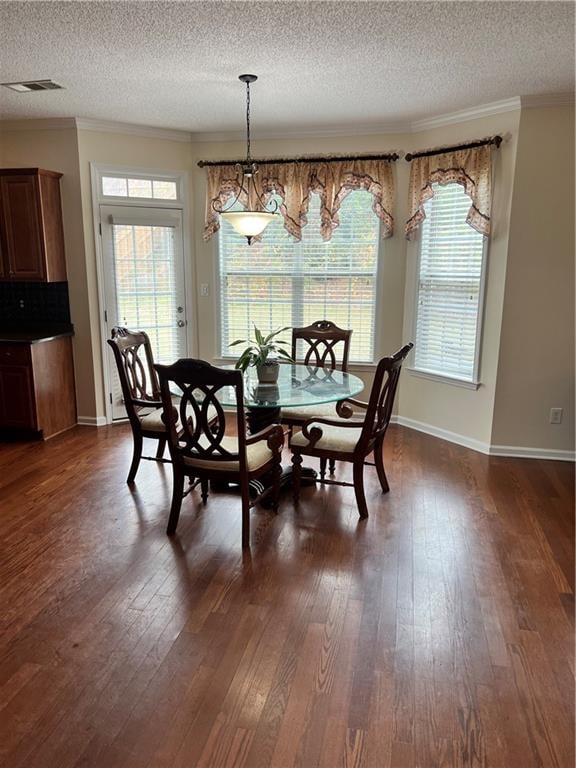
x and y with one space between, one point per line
248 223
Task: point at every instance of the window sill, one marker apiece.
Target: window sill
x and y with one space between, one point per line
442 378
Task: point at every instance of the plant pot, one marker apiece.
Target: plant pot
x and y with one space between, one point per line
268 372
266 394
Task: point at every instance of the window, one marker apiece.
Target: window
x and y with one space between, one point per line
143 188
449 288
280 282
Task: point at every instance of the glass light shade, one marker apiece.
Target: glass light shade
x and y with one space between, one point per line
249 223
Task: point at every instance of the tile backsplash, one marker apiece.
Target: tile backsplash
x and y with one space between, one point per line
25 304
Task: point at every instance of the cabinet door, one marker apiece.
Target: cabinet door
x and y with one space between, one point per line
3 254
21 227
17 409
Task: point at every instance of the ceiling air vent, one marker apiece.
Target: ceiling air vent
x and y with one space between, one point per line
33 85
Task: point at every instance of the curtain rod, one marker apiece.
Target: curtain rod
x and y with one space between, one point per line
495 140
284 160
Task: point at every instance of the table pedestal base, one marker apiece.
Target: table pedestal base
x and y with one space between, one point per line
308 476
260 418
257 487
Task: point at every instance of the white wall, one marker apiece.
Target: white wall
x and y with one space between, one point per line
536 360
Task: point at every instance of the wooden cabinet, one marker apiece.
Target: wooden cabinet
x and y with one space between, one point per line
31 234
17 406
37 387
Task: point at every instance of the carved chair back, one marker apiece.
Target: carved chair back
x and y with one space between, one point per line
325 344
135 365
198 385
382 397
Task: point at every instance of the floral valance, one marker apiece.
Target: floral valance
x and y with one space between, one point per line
471 167
294 181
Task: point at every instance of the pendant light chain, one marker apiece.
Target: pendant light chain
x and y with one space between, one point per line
248 156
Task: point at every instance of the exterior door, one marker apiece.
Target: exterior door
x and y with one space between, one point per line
144 282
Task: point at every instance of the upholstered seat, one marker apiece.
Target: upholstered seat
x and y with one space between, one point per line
257 454
153 419
154 423
339 439
306 412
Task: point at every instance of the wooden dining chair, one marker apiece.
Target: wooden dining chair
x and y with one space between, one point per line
353 440
323 345
202 451
140 392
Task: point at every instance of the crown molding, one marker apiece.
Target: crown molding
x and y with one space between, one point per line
309 133
133 129
43 124
548 100
83 124
463 115
398 127
416 126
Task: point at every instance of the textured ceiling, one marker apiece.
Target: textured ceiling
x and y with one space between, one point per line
320 64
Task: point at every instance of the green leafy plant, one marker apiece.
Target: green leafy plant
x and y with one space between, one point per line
261 350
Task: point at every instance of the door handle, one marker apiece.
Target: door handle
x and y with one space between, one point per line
181 323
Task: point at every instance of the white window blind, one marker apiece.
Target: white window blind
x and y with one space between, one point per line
449 287
145 276
280 282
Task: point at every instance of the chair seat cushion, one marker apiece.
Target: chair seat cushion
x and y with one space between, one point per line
153 421
336 439
257 455
305 412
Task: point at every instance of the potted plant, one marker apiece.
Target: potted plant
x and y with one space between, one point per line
263 352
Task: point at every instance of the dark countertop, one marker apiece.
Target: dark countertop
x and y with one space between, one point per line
34 335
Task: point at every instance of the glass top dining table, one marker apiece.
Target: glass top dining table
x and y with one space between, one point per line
297 385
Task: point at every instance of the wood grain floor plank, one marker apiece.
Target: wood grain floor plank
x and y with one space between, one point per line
438 633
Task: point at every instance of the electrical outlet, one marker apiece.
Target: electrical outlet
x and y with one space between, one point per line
21 303
204 289
555 415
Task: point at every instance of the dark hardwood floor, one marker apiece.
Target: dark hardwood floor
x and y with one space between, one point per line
439 632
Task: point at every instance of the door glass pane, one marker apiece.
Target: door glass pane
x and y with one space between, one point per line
146 291
139 187
114 186
164 190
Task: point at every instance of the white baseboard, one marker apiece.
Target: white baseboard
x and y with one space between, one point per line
486 448
444 434
520 452
92 421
